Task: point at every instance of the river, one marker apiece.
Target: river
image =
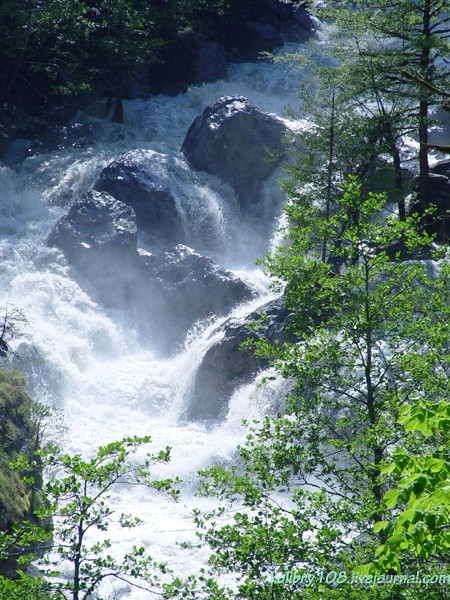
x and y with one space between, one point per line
89 361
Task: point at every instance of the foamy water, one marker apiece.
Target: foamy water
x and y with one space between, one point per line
88 360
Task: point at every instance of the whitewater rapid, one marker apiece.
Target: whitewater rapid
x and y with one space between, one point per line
88 361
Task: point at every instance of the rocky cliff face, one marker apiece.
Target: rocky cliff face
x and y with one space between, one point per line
234 36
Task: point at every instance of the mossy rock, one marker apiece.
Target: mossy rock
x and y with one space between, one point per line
17 436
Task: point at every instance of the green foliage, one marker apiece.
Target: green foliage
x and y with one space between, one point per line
393 45
77 493
52 49
42 45
125 37
26 588
422 524
376 54
308 485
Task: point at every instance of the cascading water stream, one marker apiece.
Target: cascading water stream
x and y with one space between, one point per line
88 360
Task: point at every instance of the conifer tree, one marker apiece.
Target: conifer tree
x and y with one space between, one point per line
412 42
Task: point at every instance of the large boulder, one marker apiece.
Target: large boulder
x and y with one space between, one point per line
165 293
130 179
182 287
238 143
210 63
99 238
226 366
97 225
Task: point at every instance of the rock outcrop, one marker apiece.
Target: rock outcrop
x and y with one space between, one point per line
226 366
254 37
238 35
238 143
183 287
130 179
165 293
264 27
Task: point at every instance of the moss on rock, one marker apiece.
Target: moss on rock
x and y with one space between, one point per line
17 436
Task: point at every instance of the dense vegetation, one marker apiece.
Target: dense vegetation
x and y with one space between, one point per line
76 507
350 483
55 51
347 490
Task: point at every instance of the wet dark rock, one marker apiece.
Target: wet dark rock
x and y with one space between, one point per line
184 287
97 224
61 137
174 70
13 152
266 27
442 168
131 180
210 63
252 38
99 238
238 143
204 61
226 366
438 197
164 293
298 26
236 36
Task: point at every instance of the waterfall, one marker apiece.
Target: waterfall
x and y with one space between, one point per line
87 359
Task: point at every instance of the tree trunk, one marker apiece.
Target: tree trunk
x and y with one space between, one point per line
398 174
21 58
118 109
425 68
424 167
372 414
329 194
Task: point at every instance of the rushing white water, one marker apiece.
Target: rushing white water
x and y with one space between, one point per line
87 360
